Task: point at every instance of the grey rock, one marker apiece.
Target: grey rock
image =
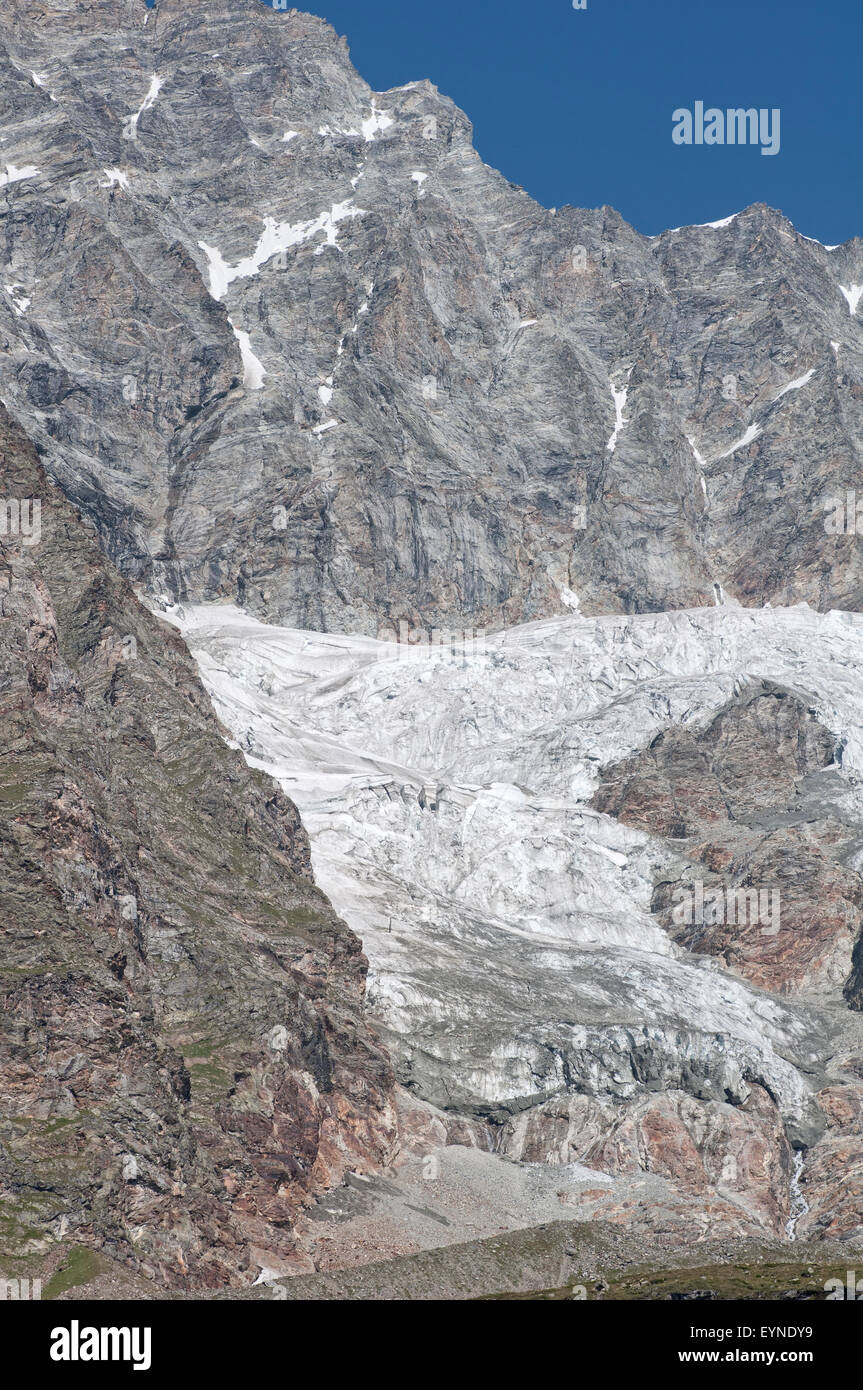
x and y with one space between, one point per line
289 343
465 342
184 1054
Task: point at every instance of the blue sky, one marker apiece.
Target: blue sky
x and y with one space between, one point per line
576 106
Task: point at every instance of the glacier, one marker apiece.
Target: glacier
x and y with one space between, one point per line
513 954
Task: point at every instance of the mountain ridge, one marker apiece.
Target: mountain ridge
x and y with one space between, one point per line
528 409
184 1056
302 369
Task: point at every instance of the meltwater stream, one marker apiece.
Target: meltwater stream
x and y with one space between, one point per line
798 1206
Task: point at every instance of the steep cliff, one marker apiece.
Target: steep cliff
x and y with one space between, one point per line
301 368
184 1060
290 343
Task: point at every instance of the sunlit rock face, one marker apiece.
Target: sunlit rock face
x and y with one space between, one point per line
289 342
767 832
371 427
185 1061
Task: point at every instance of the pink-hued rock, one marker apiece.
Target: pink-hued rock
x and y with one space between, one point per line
184 1061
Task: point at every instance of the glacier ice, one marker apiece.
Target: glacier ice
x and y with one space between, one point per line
508 924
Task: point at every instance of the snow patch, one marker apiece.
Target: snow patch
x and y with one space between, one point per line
702 463
723 221
39 80
13 175
20 302
276 237
795 385
853 294
253 369
377 122
690 226
619 421
752 433
118 177
822 244
130 128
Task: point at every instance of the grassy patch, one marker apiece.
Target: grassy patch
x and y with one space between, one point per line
23 1221
78 1266
208 1074
768 1281
203 1049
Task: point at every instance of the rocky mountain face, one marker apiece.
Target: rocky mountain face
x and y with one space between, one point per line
745 798
184 1060
290 343
284 363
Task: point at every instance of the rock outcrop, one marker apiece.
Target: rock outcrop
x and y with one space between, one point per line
764 875
290 343
184 1059
299 365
